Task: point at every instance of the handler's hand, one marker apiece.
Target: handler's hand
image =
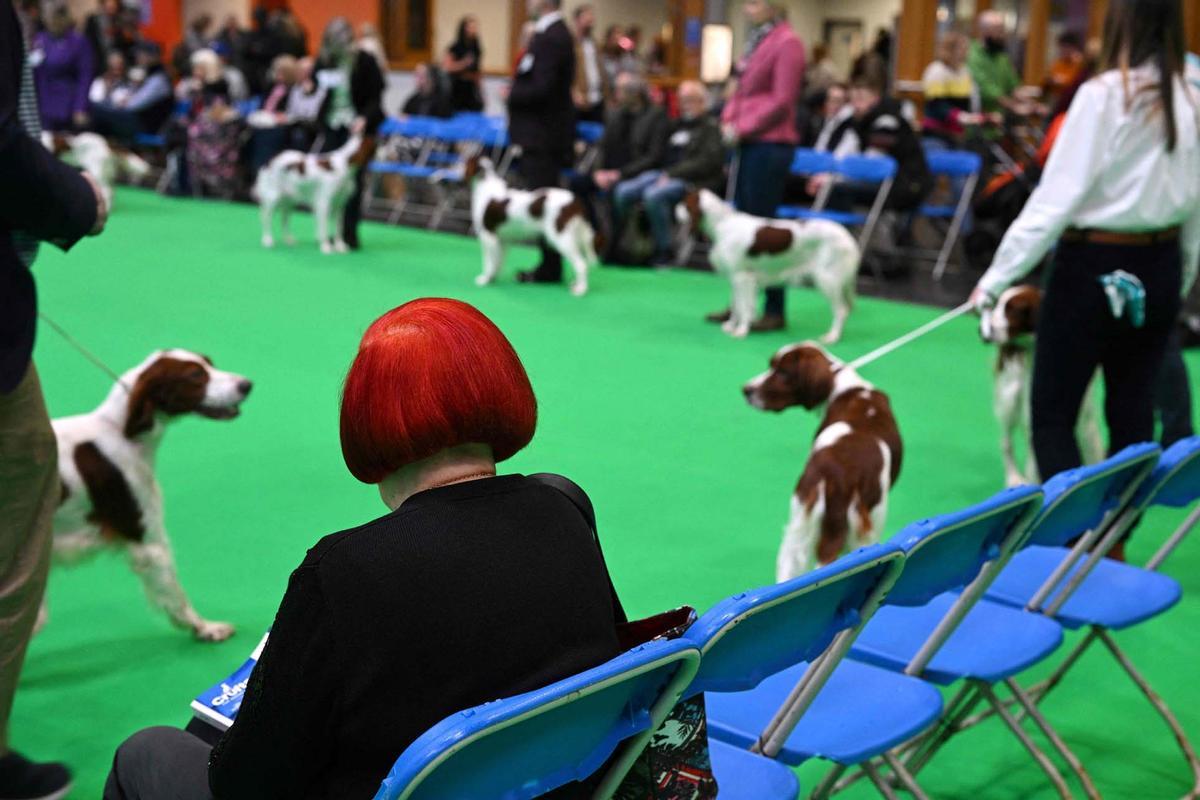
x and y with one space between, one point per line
101 204
980 300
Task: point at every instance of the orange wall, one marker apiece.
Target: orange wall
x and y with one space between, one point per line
315 14
165 25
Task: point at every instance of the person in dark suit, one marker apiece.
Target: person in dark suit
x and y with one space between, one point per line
541 114
355 84
41 199
473 586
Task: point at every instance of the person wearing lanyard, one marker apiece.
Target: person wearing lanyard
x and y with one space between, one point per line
760 121
1121 196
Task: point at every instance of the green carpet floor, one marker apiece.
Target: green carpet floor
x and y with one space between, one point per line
639 402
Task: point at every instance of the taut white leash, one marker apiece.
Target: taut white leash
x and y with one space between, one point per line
83 351
897 343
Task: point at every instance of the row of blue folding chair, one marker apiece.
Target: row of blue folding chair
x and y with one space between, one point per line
810 622
773 666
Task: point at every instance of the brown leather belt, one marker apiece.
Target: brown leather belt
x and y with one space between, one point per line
1097 236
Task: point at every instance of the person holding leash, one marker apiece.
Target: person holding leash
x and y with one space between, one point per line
1121 197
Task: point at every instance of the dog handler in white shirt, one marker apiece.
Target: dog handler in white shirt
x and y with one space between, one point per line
1121 196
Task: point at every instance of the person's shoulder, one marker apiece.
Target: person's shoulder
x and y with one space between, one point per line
330 547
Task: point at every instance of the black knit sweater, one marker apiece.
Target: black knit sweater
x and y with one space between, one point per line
466 593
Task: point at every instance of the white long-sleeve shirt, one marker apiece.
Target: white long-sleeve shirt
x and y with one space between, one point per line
1110 169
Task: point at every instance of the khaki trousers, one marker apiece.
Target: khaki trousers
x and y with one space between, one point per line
29 493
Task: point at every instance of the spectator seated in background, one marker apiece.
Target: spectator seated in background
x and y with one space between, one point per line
213 143
233 76
503 588
951 98
195 37
206 69
62 74
270 126
695 158
836 120
880 128
306 105
1067 69
993 71
431 96
634 140
111 87
147 106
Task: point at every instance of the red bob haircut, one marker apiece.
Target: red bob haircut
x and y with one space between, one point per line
429 375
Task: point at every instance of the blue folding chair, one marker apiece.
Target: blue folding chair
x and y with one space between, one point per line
807 162
773 673
1105 595
962 169
988 648
528 745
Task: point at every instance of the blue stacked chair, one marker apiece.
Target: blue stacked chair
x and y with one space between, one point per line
1104 595
983 642
864 711
528 745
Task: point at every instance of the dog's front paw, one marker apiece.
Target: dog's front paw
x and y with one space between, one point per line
740 332
830 338
268 241
326 248
579 288
340 247
207 631
729 326
482 280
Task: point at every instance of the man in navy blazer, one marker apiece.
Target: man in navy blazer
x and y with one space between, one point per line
541 114
41 199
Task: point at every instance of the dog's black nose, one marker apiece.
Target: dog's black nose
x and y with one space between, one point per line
244 386
748 391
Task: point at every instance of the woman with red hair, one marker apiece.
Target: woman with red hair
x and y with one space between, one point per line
473 587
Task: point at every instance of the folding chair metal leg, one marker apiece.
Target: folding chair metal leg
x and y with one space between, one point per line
956 224
1039 690
882 785
828 784
951 723
1041 758
1048 731
906 778
1160 706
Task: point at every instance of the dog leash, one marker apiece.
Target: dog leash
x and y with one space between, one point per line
83 351
900 341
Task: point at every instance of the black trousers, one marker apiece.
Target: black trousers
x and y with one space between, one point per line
1172 395
353 211
541 169
761 175
157 763
1077 333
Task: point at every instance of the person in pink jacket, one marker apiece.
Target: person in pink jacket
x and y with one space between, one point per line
760 121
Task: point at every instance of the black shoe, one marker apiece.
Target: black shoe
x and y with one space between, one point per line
22 779
662 261
768 322
718 316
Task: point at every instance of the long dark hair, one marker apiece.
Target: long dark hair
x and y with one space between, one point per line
1138 31
463 41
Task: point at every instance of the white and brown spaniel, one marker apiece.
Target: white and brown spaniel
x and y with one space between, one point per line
499 213
323 181
1010 325
754 252
840 503
105 161
110 495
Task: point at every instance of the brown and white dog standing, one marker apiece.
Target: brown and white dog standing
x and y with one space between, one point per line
499 213
323 181
754 252
1010 325
840 503
93 153
111 497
